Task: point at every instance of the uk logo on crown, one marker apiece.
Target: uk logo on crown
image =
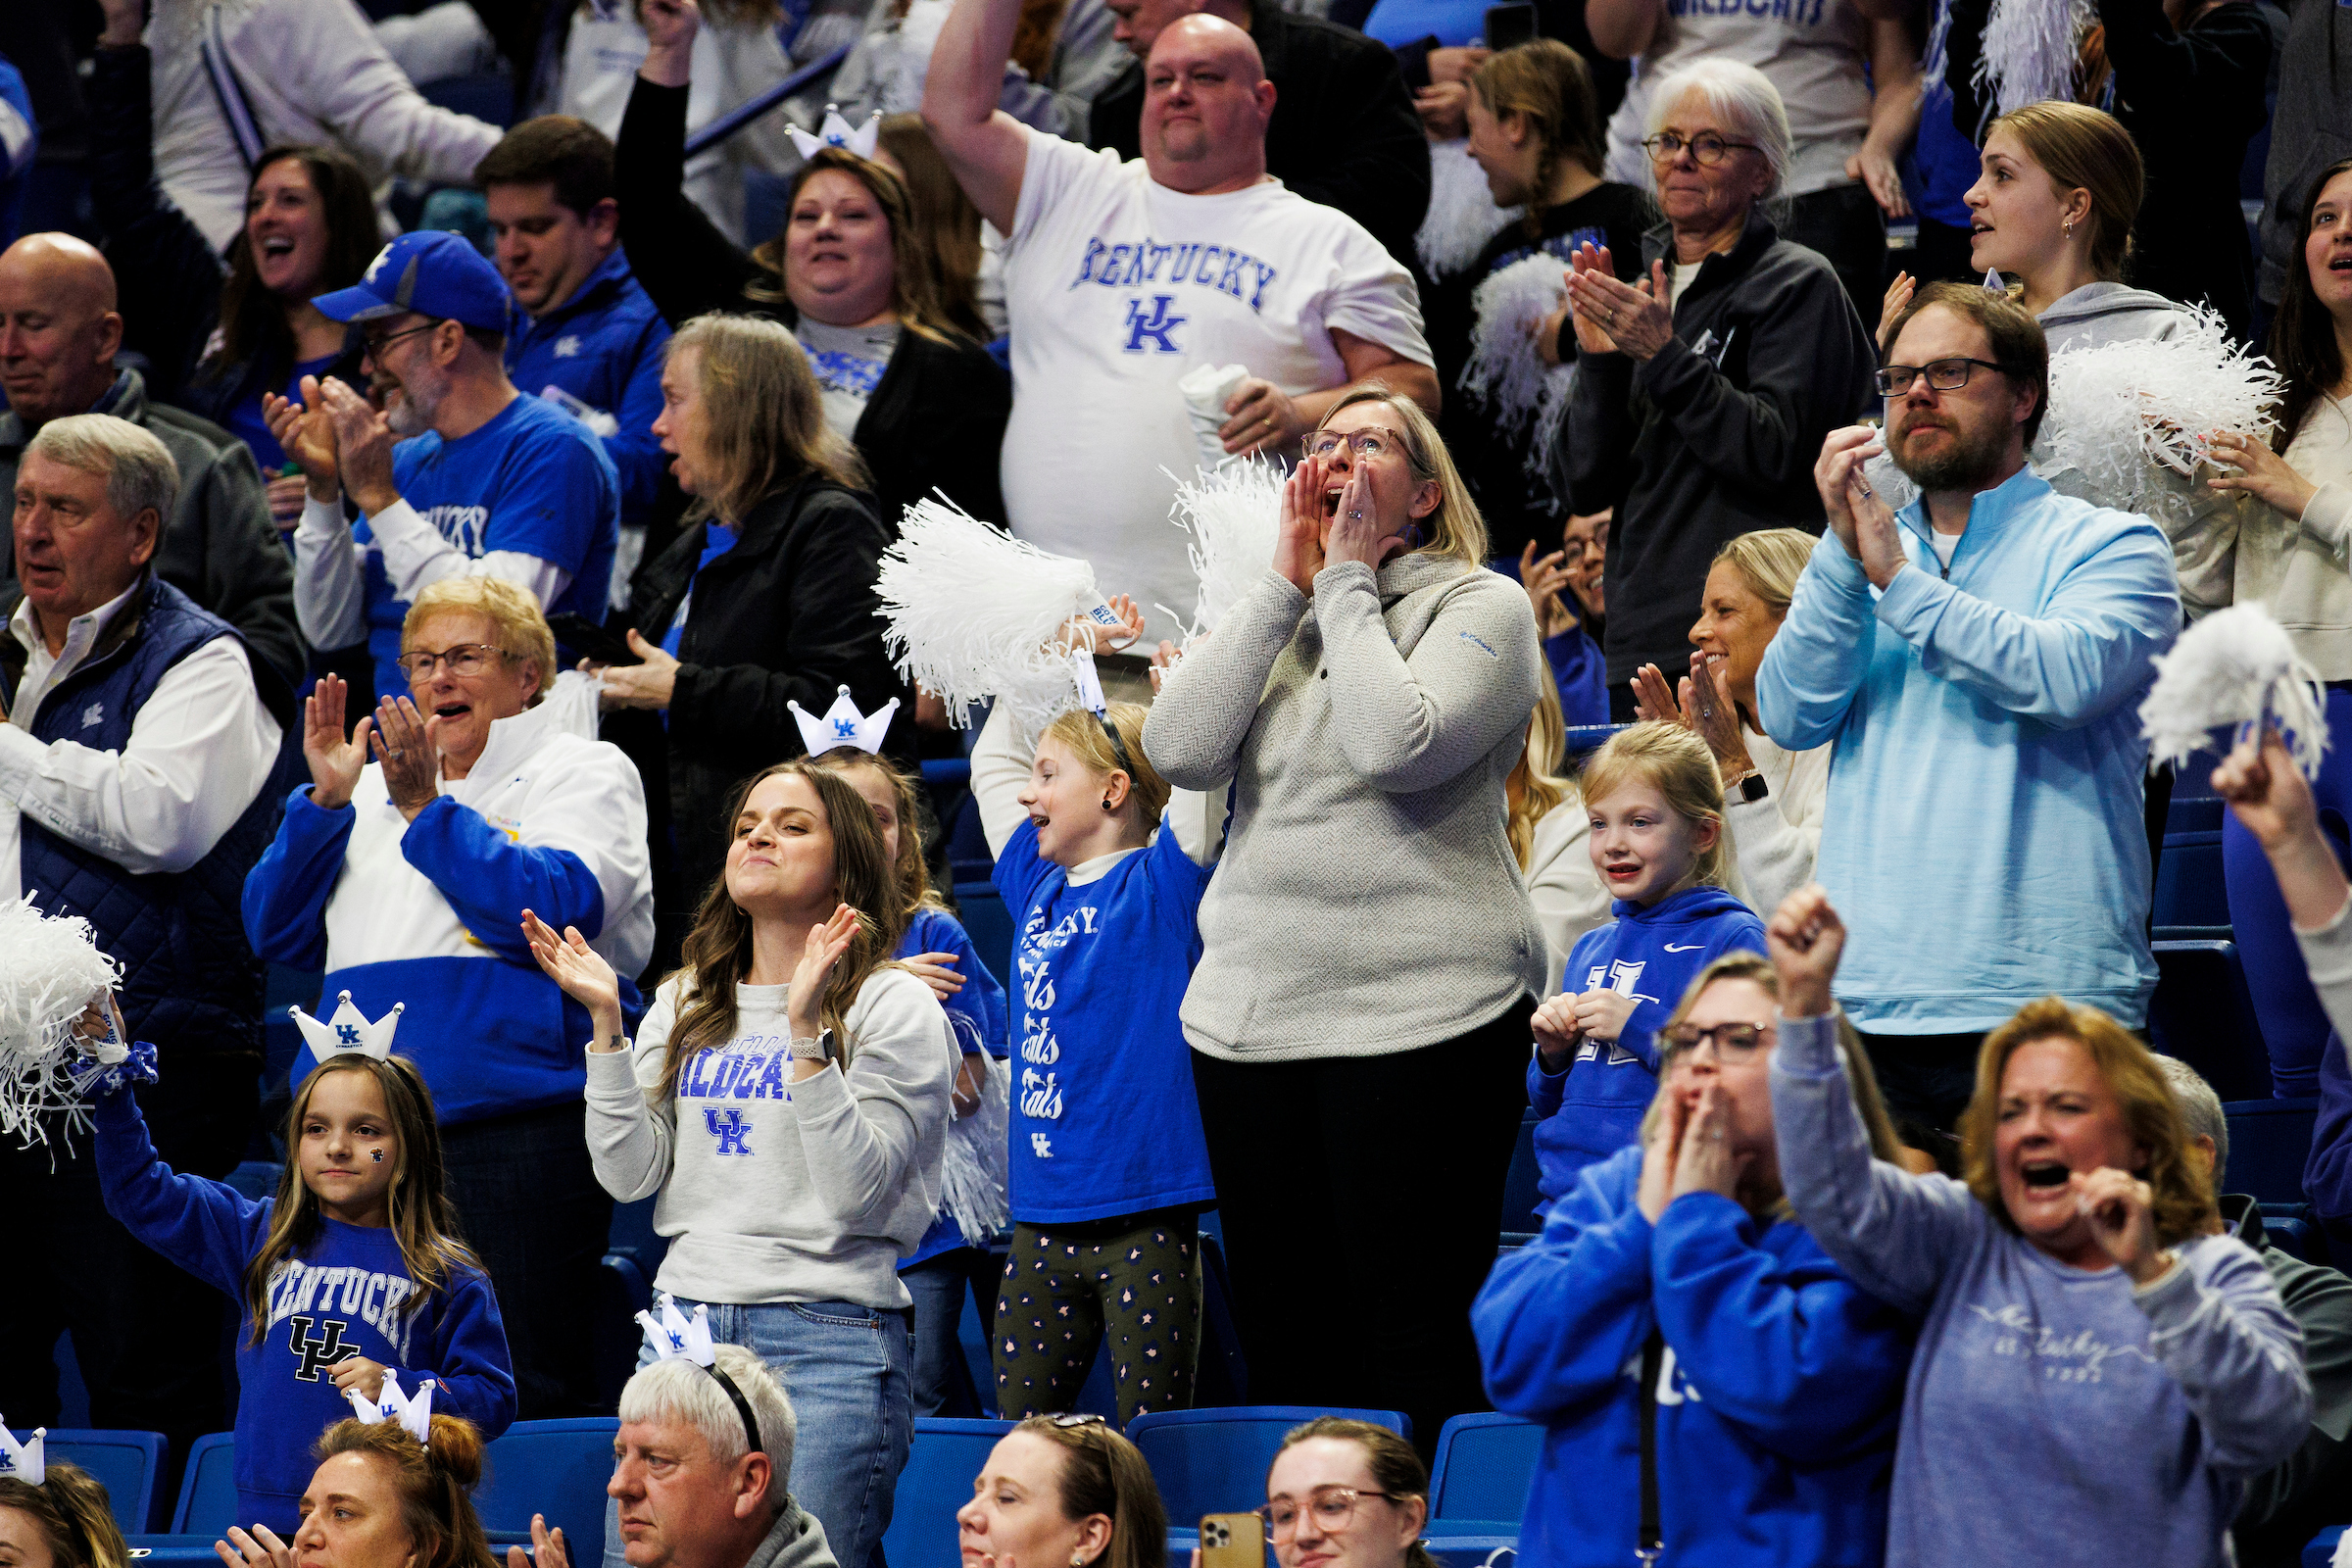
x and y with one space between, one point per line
348 1031
835 131
677 1337
843 725
25 1461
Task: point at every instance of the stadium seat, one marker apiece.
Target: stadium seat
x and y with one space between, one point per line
632 1235
2269 1142
207 1489
2189 891
1484 1549
1481 1474
1214 1460
2293 1233
2203 1014
126 1463
558 1468
990 925
1224 1375
936 1481
1520 1191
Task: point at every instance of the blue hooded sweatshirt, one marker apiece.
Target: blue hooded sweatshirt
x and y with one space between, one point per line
1986 841
604 346
1779 1392
1594 1107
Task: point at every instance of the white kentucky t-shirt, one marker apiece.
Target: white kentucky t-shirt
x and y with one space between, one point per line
1116 287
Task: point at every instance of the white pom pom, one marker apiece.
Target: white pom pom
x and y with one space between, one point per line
2235 667
2117 407
53 970
1234 514
1462 215
971 609
1506 370
972 1173
2032 50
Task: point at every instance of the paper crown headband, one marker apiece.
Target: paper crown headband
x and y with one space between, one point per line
837 132
25 1461
676 1337
414 1412
348 1031
843 725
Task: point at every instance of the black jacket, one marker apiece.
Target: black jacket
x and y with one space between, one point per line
936 421
787 615
1695 447
2286 1505
1344 131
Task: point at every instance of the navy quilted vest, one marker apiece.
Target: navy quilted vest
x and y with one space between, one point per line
190 982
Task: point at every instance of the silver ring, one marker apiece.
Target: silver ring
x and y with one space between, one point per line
1356 516
1706 712
393 753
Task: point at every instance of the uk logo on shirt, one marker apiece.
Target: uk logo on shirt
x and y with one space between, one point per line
1154 328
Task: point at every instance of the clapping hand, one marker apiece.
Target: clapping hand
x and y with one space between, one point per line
1543 578
548 1548
2120 1208
261 1549
579 971
1863 524
812 977
336 763
308 435
1164 661
1634 320
364 439
1805 938
407 748
1899 300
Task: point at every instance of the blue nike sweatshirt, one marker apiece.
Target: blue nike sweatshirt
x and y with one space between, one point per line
1594 1107
339 1297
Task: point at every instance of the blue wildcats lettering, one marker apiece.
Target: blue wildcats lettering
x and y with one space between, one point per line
1157 327
729 1127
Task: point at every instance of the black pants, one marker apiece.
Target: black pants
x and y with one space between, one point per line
1845 224
529 1205
146 1336
1928 1079
1360 1197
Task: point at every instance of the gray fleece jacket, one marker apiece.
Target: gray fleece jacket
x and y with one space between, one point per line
1368 901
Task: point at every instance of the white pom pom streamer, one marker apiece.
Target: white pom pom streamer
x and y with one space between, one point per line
1505 368
1234 514
970 611
972 1174
52 971
2031 50
2235 667
2120 406
1462 215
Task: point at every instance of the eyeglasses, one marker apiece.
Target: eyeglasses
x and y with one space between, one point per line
1076 1418
1733 1042
1944 375
466 658
1706 148
1369 443
1334 1509
375 346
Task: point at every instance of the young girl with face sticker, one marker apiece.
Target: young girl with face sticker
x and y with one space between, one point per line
352 1273
1657 807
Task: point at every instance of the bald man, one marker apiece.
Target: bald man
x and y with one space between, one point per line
59 334
1122 276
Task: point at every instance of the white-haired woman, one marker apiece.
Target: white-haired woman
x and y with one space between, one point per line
1706 390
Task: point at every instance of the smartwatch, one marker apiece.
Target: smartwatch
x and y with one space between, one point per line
820 1048
1753 788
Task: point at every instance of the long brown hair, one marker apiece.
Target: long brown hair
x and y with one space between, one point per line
1102 1473
945 217
913 286
2082 148
424 1221
1548 86
2303 341
763 418
75 1518
253 321
435 1481
1396 1469
1534 787
718 950
912 874
2182 1186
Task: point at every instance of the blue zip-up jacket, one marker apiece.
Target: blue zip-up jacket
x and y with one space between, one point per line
1985 831
1580 672
980 1019
339 1297
1779 1392
1594 1107
604 346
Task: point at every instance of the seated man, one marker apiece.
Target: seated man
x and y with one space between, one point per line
1120 278
59 333
484 482
1979 660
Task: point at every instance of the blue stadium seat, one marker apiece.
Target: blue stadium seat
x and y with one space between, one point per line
2322 1550
1483 1549
1520 1191
990 925
558 1468
2269 1142
126 1463
936 1481
207 1489
2203 1014
2294 1235
1481 1476
1214 1460
622 1291
632 1235
2189 891
1224 1375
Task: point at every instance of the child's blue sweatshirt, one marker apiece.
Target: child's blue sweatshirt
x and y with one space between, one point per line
1594 1107
337 1299
1779 1398
977 1015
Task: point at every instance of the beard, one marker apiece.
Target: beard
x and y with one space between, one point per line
1970 462
422 390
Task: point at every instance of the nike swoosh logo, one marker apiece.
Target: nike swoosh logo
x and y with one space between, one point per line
1687 947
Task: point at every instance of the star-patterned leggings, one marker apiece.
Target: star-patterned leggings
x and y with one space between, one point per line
1064 1293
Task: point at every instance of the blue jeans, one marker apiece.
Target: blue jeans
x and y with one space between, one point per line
938 1284
848 1370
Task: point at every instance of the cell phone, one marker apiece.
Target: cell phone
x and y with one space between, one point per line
1511 25
598 643
1233 1540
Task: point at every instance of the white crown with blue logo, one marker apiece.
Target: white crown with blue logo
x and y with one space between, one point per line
676 1337
843 725
26 1461
836 132
413 1411
348 1031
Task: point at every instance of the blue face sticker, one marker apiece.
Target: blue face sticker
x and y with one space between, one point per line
377 1156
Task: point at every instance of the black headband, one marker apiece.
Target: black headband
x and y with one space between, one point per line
1118 747
742 1407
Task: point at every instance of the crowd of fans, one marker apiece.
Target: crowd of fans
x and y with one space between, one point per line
490 626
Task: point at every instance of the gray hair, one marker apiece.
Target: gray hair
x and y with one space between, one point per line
2200 1109
139 472
678 1391
1743 97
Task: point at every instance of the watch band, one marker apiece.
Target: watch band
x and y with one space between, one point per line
820 1048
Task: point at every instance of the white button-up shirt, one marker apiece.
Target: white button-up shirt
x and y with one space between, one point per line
200 751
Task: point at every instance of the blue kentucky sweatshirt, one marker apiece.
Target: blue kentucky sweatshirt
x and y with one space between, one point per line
338 1297
1594 1107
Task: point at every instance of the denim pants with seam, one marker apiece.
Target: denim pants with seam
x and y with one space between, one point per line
849 1372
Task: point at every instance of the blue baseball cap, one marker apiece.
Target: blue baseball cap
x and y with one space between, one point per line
431 273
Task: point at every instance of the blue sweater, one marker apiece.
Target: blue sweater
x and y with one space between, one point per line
338 1297
977 1015
1984 833
1777 1404
1580 672
604 346
1594 1107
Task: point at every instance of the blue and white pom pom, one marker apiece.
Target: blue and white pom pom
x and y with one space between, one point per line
53 973
2234 667
1505 368
1234 516
1462 215
2032 50
2119 408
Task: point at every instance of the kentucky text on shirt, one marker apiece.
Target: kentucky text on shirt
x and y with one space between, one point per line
1222 267
306 1294
1803 13
462 526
